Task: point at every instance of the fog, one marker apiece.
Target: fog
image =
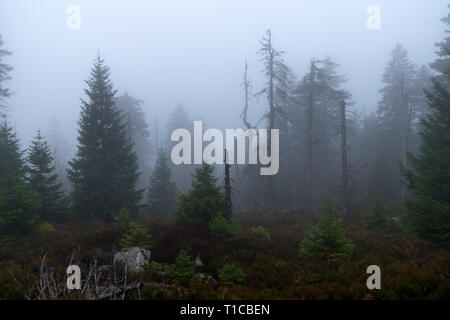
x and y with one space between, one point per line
193 52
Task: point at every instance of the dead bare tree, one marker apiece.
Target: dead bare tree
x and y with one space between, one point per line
228 204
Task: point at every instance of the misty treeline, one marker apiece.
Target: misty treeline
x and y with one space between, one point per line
398 154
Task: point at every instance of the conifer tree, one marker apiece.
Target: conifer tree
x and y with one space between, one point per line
17 202
395 117
162 191
327 237
139 133
179 119
204 200
442 63
104 171
43 180
428 180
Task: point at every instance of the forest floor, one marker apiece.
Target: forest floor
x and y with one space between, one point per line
34 267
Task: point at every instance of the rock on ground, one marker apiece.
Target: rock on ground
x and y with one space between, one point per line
134 258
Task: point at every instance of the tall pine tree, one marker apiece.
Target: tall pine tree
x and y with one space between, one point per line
162 192
17 202
43 180
428 206
395 118
104 171
442 63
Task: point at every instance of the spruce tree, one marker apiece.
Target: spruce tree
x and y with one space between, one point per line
43 180
139 133
327 237
204 200
395 118
17 202
162 192
104 171
442 63
428 180
179 119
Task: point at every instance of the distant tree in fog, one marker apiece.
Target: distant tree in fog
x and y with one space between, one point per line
162 192
43 180
4 74
139 133
442 63
395 116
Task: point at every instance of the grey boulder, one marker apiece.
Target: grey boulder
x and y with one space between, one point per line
135 259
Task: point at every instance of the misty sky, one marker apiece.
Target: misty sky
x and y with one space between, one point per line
166 52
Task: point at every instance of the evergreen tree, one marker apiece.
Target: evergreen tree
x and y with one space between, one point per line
162 191
204 200
4 74
104 171
230 275
139 133
314 124
442 63
395 118
428 180
17 202
183 270
61 150
137 236
375 217
327 237
43 180
179 119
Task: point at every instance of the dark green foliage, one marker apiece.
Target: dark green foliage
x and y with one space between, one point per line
221 228
43 180
17 201
375 217
183 271
204 200
155 271
162 192
428 180
229 275
137 236
123 216
260 236
327 237
104 171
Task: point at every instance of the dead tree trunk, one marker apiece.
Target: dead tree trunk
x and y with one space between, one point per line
228 204
246 85
310 119
270 189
